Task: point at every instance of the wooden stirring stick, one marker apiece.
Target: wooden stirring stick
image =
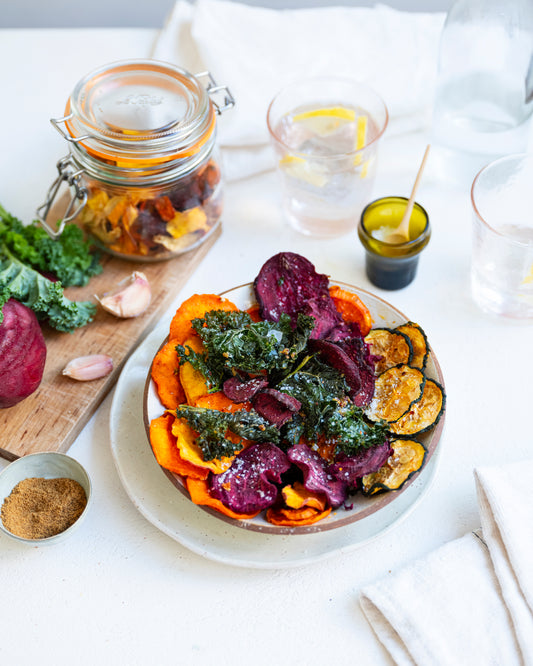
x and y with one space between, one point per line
401 233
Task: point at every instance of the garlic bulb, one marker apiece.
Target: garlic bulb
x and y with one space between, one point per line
86 368
130 298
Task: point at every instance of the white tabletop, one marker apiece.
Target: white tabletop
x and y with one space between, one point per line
120 591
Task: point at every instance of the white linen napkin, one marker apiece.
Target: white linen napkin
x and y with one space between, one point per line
471 601
257 51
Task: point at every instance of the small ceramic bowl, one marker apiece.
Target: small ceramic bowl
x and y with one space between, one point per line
47 465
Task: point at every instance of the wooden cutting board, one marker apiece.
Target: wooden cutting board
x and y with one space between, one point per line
52 417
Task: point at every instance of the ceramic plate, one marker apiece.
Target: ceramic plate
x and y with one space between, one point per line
170 511
383 314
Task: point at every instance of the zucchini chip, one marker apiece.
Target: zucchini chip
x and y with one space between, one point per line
396 390
407 458
391 346
419 343
423 414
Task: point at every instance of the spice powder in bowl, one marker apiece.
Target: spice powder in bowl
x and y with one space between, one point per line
43 496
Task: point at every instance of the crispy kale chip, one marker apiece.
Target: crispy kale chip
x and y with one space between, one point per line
234 343
326 410
213 425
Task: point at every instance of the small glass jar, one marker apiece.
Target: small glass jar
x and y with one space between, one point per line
142 163
392 265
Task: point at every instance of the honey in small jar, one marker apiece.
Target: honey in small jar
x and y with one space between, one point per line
392 265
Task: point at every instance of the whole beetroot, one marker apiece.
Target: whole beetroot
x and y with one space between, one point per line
22 353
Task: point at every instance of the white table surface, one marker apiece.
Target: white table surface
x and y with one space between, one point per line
119 591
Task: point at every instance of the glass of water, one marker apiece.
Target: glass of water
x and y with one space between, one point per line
502 251
325 133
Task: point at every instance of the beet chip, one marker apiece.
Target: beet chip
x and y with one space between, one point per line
351 468
289 283
238 391
275 406
358 351
248 485
316 476
333 354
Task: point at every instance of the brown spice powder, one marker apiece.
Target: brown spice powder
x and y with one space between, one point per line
39 508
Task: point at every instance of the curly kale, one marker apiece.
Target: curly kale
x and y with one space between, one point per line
69 258
213 425
44 297
235 343
327 411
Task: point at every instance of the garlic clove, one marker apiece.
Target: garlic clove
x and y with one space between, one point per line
86 368
130 298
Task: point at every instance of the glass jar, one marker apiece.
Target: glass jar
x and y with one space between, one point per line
392 265
142 164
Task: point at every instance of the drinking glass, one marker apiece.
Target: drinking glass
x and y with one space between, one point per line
502 250
325 133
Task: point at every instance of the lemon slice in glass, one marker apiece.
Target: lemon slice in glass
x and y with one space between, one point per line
325 121
301 169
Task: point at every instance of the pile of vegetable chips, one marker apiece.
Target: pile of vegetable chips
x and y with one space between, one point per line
282 410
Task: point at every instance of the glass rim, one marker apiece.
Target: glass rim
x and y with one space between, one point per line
332 79
512 157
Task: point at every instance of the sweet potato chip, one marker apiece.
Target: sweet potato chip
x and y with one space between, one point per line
352 308
165 373
297 497
199 493
295 517
195 307
166 450
221 402
254 313
190 451
192 380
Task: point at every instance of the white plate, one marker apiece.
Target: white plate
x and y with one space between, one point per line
158 500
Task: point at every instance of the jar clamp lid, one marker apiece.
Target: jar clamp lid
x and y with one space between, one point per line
136 115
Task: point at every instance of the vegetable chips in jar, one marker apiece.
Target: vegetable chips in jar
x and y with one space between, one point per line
142 162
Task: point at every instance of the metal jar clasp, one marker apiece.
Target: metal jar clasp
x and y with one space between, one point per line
66 174
220 96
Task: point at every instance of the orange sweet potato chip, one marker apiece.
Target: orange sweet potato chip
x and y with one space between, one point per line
166 451
192 380
219 401
351 308
295 517
297 496
195 307
190 451
199 493
165 373
254 313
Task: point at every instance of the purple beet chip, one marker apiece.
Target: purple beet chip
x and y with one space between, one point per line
275 406
240 391
316 477
358 351
334 355
248 485
288 283
351 468
285 283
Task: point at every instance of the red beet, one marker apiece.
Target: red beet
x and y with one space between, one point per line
22 353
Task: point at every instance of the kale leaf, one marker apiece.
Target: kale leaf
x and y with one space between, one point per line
213 425
326 410
44 297
69 258
348 425
235 343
